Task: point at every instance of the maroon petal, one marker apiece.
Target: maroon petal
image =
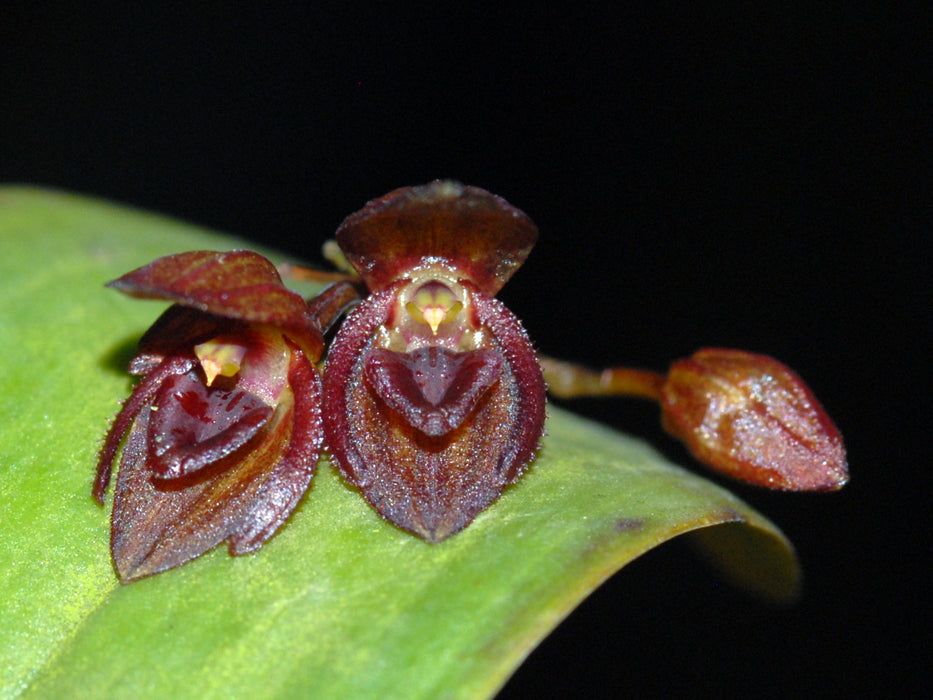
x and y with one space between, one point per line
141 398
442 225
528 401
240 284
286 483
196 425
432 485
243 497
433 388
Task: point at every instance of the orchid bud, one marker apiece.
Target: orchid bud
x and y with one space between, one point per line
752 418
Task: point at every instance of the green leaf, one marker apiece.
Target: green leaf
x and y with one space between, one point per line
338 604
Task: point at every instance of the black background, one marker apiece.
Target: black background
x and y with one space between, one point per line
754 178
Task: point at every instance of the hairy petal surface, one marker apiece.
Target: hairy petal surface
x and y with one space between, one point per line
432 482
434 389
243 495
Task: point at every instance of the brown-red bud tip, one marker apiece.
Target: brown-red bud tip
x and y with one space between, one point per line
751 417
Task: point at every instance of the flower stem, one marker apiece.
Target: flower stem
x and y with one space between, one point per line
567 380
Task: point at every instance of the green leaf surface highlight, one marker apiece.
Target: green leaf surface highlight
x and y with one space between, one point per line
339 604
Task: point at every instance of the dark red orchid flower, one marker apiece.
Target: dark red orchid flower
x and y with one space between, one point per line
433 398
224 430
